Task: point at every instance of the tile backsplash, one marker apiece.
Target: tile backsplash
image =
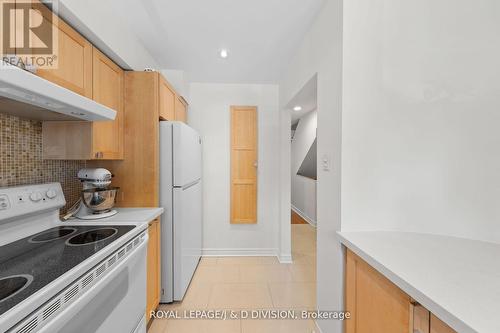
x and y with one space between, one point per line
21 158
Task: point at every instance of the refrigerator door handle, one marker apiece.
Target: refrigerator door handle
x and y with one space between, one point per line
185 187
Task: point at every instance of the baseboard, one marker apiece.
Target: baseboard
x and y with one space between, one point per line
236 252
285 259
304 216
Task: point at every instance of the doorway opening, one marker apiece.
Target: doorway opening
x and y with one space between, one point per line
303 180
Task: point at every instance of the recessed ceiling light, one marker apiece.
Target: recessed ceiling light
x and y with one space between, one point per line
223 53
297 108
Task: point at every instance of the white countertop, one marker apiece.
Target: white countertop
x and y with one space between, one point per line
134 215
456 279
126 216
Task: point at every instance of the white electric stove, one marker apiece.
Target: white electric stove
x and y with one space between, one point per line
67 277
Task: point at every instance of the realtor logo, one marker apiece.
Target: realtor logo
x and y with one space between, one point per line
29 34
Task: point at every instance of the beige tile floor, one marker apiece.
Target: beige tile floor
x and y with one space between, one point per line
250 283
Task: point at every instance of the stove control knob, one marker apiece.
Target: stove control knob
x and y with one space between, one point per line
51 194
36 196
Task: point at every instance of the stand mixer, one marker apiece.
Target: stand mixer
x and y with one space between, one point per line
98 198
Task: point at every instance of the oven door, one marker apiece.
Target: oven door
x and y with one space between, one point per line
117 303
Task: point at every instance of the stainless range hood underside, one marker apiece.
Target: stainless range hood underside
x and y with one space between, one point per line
27 95
23 110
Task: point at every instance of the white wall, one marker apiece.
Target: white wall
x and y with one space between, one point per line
105 28
303 188
421 117
320 52
209 113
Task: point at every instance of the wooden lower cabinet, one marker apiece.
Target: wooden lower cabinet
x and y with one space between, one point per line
437 326
421 319
379 306
376 305
153 268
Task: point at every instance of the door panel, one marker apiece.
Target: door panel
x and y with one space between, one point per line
243 165
243 202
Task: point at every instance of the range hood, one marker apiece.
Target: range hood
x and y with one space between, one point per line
28 96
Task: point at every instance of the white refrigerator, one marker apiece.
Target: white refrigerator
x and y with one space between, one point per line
181 198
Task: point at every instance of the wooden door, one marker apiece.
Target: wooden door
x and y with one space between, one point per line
243 164
180 109
107 136
74 56
376 305
437 326
167 100
153 268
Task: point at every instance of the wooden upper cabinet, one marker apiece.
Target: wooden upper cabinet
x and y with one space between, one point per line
376 305
80 140
167 101
172 106
107 136
74 56
138 173
180 109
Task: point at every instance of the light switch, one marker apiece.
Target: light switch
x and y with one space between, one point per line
326 163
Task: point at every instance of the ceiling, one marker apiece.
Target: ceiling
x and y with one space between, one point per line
307 98
260 35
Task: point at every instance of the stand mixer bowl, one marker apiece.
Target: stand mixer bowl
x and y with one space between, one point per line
99 200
